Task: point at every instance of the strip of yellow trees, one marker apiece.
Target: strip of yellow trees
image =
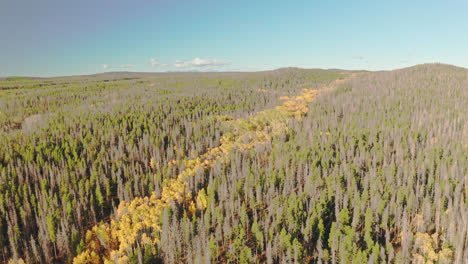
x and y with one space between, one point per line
139 220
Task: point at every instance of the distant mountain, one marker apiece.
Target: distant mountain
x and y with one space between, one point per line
114 74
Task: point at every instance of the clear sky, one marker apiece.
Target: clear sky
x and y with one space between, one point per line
67 37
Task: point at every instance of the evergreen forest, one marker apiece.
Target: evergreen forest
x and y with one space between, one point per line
285 166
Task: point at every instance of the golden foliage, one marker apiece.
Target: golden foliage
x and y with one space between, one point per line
12 260
140 218
201 200
426 247
153 163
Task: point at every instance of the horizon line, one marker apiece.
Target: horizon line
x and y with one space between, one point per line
231 71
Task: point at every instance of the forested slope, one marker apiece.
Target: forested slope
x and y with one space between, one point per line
238 168
72 149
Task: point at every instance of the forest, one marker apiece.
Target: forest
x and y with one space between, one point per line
285 166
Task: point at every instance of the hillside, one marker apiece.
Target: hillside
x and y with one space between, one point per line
285 166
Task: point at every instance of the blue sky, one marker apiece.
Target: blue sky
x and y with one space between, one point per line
64 37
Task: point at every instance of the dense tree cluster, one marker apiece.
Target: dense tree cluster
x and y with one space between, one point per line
139 221
373 170
72 149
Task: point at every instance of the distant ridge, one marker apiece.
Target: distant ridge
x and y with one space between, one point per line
435 65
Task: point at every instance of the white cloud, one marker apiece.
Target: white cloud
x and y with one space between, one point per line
106 66
199 63
127 66
154 62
